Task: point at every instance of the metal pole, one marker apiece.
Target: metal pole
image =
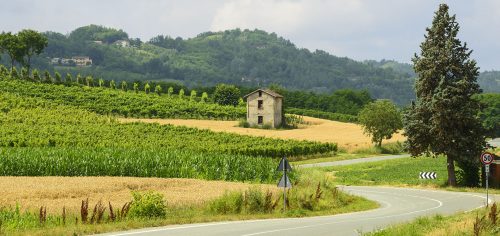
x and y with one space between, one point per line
284 189
487 177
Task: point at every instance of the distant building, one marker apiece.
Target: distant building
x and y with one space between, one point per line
55 60
82 61
122 43
97 41
264 107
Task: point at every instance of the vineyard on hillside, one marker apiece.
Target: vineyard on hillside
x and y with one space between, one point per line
108 101
29 122
42 138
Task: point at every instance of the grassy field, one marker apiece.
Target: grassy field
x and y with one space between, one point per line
438 225
187 201
397 172
348 136
55 192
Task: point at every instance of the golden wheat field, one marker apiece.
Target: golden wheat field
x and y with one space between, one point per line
55 192
347 135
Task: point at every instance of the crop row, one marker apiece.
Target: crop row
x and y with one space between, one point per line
164 163
29 122
108 101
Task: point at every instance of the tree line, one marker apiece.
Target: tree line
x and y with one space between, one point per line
21 47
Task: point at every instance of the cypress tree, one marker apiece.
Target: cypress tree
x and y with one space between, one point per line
443 118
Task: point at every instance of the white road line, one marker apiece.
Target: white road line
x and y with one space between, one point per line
440 204
387 205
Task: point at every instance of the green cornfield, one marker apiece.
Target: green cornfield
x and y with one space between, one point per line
164 163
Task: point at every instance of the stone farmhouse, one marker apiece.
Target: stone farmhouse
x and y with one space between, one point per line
264 107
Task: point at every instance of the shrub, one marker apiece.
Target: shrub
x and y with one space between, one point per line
254 200
244 124
226 95
230 202
267 126
148 205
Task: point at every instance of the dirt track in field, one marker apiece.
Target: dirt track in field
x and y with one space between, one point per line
346 135
56 192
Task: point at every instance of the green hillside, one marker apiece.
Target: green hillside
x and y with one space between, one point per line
241 57
247 58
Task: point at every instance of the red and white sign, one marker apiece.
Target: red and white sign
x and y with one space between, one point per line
486 158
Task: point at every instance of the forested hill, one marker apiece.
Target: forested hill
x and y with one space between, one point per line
488 80
247 58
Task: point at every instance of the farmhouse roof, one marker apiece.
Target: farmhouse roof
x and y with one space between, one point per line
268 91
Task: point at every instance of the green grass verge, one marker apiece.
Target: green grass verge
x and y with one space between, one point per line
399 172
458 224
404 171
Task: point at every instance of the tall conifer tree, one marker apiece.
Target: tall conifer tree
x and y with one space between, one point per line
443 119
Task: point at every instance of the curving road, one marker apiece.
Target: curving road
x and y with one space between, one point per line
354 161
397 205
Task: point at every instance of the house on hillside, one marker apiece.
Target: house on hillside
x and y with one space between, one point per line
82 61
122 43
264 107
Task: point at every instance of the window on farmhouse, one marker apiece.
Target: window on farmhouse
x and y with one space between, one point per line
260 104
260 120
260 93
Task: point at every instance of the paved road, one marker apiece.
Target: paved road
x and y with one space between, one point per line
397 205
354 161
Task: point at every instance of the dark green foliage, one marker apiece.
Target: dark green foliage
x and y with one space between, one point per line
323 115
226 95
247 58
148 205
33 44
380 119
345 101
13 47
490 113
97 33
444 118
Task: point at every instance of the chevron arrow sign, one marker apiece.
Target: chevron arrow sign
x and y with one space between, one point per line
428 175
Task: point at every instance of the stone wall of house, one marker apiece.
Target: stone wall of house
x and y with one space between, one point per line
278 106
270 112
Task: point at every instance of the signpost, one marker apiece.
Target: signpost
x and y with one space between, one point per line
487 159
285 181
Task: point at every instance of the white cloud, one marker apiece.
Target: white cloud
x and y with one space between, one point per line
359 29
283 16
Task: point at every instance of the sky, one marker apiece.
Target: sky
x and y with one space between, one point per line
358 29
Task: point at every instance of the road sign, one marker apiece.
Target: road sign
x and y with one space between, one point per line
284 165
428 175
285 182
487 158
